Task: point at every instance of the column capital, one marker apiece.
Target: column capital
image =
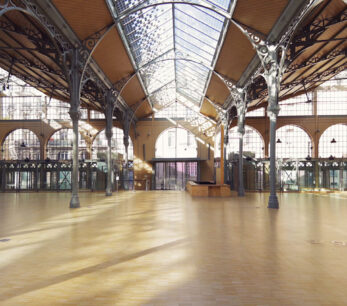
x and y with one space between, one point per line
126 140
226 137
273 111
108 133
241 130
75 114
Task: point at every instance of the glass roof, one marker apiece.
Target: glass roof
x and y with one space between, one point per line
174 46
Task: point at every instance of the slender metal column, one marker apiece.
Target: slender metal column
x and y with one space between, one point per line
109 163
341 187
75 89
273 201
226 141
126 127
109 125
241 109
3 177
126 157
75 202
241 190
316 174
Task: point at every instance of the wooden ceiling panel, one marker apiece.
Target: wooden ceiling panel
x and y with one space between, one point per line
259 15
217 90
133 92
235 54
84 17
144 110
115 63
334 32
208 110
332 9
303 73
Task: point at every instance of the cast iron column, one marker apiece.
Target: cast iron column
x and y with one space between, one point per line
241 132
241 190
109 125
226 141
126 127
75 89
272 113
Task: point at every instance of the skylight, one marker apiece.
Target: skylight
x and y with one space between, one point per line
174 46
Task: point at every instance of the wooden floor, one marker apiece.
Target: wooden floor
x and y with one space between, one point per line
167 248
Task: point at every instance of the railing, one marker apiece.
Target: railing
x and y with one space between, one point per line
56 176
292 174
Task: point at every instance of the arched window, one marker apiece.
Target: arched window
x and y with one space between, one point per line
59 146
292 142
99 147
21 144
252 142
176 143
333 142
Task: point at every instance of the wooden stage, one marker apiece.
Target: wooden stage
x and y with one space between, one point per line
208 190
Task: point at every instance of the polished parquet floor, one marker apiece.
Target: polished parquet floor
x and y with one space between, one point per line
166 248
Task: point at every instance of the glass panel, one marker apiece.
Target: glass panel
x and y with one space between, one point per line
192 32
292 142
298 106
332 96
333 142
21 144
99 146
176 143
260 112
253 144
59 146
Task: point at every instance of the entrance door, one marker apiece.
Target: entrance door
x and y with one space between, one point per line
174 175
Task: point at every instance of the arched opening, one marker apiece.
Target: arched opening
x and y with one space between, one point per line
176 143
123 175
21 144
99 147
253 143
292 142
333 142
179 149
253 147
59 146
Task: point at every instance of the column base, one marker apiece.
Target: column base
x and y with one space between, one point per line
273 201
241 193
108 193
75 201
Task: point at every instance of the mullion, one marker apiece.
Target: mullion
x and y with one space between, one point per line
192 28
199 21
162 28
192 80
191 70
203 43
194 66
191 51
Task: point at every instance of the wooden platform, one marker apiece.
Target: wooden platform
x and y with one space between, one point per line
208 190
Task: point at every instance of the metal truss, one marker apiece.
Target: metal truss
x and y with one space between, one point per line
58 49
